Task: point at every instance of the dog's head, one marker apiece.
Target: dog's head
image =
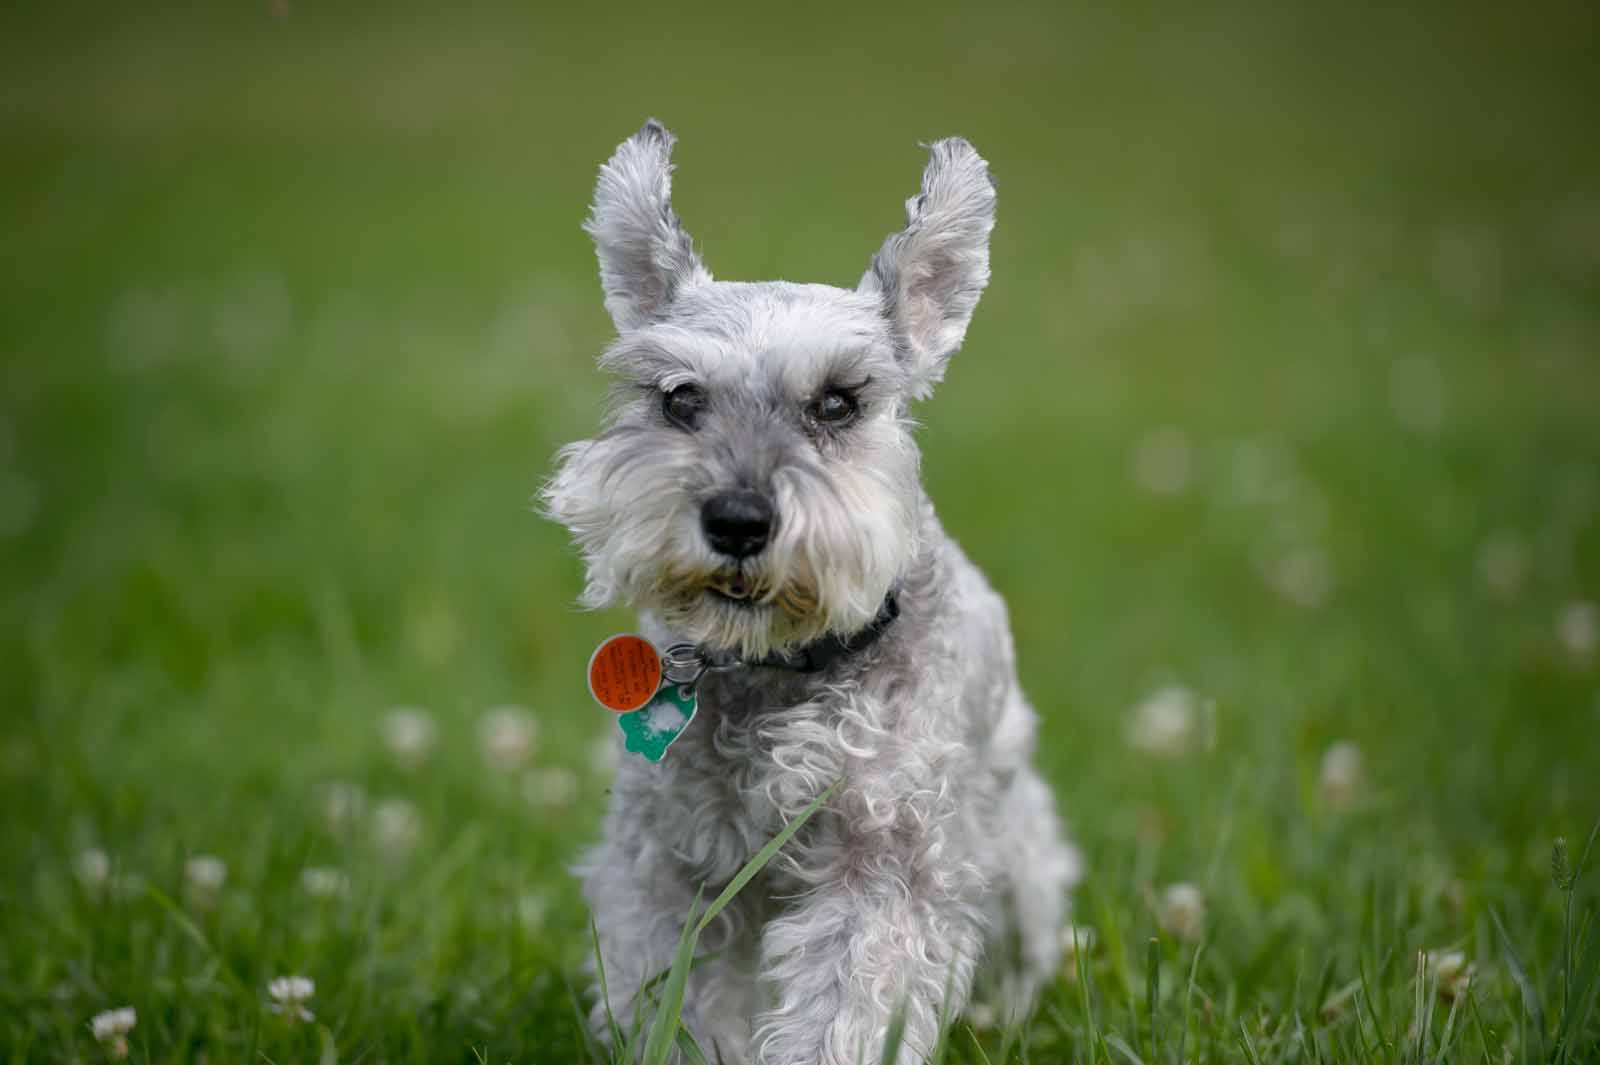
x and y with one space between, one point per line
756 485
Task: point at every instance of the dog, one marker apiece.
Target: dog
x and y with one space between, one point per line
755 494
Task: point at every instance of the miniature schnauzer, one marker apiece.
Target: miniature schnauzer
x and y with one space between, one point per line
755 495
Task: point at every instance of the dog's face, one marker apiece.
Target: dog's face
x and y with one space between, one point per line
756 486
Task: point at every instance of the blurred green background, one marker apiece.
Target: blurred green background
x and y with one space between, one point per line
1284 401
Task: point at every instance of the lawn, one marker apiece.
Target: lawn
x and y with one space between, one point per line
1279 428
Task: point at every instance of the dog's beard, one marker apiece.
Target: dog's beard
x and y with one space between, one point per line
842 537
751 609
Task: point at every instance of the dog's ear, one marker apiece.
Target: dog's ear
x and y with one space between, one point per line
645 256
930 274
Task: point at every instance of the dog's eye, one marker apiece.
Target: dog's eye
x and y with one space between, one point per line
683 405
834 407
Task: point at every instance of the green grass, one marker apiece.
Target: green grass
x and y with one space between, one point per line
294 312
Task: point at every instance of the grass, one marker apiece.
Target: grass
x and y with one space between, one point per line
1283 395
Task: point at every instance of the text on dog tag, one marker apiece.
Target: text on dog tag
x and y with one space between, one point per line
624 673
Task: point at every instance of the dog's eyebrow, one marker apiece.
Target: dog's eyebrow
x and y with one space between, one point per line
849 367
646 362
851 370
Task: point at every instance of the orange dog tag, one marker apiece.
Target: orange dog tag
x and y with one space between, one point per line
624 673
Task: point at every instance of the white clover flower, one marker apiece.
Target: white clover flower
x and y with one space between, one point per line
344 804
1165 723
111 1030
396 824
1183 911
205 874
555 787
1340 778
321 882
1452 971
113 1022
1578 627
506 733
1161 462
410 733
289 995
93 867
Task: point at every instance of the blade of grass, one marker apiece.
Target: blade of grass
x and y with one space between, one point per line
1120 1045
330 1051
977 1047
1430 1010
1188 998
763 856
1117 1043
1380 1037
1448 1038
894 1036
1115 953
1152 993
1477 1023
1363 1016
1419 1007
590 1047
1247 1044
1570 889
1530 997
1081 962
192 931
1308 1042
1575 1016
690 1049
630 1050
658 1045
668 1013
1009 1037
941 1045
605 993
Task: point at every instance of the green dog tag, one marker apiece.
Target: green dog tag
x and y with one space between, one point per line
651 729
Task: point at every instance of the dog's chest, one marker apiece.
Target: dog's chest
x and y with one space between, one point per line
756 754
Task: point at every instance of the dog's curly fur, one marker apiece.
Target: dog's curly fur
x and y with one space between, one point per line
940 854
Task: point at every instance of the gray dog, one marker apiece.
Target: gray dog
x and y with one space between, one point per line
756 496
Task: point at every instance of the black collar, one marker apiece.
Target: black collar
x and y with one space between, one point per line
818 656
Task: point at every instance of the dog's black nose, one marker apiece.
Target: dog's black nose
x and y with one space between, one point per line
737 523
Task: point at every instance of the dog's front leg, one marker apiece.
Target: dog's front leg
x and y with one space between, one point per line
884 935
640 895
